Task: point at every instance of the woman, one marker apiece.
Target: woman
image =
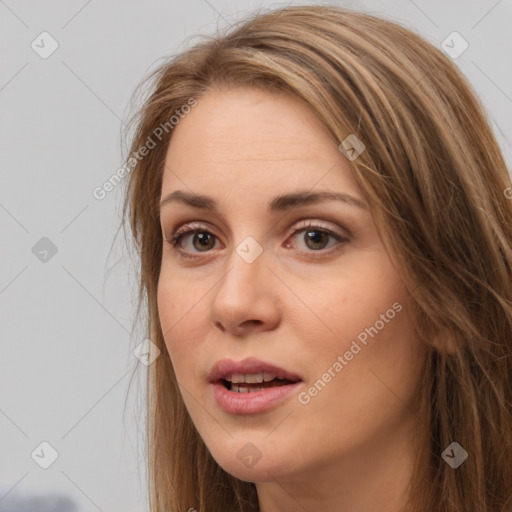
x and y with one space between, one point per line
325 238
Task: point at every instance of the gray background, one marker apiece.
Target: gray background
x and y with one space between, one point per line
67 361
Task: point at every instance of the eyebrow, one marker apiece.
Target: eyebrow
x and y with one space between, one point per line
277 204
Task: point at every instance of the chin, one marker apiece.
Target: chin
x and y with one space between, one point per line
253 461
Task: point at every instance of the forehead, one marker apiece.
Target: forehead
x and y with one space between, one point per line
248 137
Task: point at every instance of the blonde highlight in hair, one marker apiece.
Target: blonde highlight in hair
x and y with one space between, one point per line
434 177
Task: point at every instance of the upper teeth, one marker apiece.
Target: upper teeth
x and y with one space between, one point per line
250 378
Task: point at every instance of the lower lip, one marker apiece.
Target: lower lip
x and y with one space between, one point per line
252 402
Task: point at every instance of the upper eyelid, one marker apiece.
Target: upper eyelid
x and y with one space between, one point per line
301 225
339 220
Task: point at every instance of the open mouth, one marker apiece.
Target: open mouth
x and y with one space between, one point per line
250 383
251 386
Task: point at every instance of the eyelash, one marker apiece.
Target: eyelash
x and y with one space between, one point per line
197 228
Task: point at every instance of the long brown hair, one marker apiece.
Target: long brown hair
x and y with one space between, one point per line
435 179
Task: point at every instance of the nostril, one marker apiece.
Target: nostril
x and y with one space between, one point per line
248 323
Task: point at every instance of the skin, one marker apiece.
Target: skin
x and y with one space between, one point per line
350 448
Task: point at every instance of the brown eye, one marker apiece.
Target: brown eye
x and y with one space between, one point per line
316 239
204 239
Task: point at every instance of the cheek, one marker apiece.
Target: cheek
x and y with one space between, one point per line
369 322
180 313
179 301
355 299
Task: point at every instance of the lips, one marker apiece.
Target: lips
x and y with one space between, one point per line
250 373
250 386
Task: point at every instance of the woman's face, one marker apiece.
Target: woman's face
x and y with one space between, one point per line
274 284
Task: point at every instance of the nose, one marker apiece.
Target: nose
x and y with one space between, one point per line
245 300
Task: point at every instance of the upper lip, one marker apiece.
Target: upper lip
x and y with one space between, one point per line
251 365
